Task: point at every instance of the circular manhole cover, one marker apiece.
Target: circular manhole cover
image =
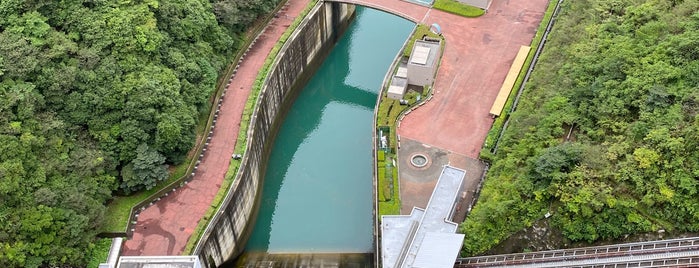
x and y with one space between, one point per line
419 160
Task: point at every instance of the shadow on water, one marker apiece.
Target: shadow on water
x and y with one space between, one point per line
324 260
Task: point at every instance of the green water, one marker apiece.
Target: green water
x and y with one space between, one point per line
317 194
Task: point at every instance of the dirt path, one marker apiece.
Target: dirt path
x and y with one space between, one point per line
164 228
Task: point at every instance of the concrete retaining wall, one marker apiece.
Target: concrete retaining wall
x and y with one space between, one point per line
228 231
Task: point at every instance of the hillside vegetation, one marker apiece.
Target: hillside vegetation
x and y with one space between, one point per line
624 76
98 97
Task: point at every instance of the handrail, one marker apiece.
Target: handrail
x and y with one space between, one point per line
249 133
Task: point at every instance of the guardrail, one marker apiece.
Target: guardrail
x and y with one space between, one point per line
201 145
539 48
609 251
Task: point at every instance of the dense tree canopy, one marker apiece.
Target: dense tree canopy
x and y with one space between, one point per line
96 97
624 75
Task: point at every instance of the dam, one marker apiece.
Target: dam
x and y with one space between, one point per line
317 193
309 166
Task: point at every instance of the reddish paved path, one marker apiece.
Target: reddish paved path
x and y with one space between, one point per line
478 55
164 228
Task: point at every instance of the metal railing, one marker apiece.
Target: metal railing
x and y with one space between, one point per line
610 251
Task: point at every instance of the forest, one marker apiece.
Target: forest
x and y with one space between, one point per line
606 135
98 98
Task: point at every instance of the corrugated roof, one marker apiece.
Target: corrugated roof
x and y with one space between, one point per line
438 250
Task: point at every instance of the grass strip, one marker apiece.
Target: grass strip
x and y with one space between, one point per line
388 112
458 8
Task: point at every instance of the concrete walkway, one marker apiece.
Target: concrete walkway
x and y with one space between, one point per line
164 228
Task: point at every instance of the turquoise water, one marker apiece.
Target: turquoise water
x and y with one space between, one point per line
317 195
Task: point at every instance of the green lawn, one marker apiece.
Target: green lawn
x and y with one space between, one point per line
458 8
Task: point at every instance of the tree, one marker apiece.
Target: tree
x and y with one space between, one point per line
144 171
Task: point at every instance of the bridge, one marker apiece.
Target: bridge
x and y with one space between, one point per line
410 11
682 252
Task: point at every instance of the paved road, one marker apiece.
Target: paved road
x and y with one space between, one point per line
164 228
477 57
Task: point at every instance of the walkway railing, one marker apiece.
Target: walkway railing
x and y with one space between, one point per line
667 251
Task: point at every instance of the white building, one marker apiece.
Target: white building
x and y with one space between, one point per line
399 84
423 62
159 262
426 238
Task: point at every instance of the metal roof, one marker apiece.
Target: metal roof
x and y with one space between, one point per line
438 250
159 262
412 240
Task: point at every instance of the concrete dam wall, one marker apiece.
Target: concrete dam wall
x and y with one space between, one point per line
227 233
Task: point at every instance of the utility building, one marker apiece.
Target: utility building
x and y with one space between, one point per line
398 84
422 64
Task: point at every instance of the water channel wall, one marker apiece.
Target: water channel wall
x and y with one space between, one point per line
227 233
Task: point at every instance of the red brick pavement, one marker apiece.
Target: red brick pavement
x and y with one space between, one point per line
476 60
164 228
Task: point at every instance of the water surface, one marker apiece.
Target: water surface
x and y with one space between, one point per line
317 195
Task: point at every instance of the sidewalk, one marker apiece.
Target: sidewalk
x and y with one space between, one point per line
164 228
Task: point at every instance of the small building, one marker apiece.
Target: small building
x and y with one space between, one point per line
399 84
397 88
422 64
426 237
159 262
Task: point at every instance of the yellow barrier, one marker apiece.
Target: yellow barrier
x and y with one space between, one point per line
509 81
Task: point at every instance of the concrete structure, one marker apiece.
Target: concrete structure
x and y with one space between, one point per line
422 64
425 238
113 253
229 229
159 262
483 4
399 84
397 88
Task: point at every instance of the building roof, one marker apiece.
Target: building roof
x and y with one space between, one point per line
420 55
425 235
438 250
424 53
159 262
398 86
402 72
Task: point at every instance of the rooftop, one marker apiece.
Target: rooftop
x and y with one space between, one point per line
159 262
425 236
424 53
